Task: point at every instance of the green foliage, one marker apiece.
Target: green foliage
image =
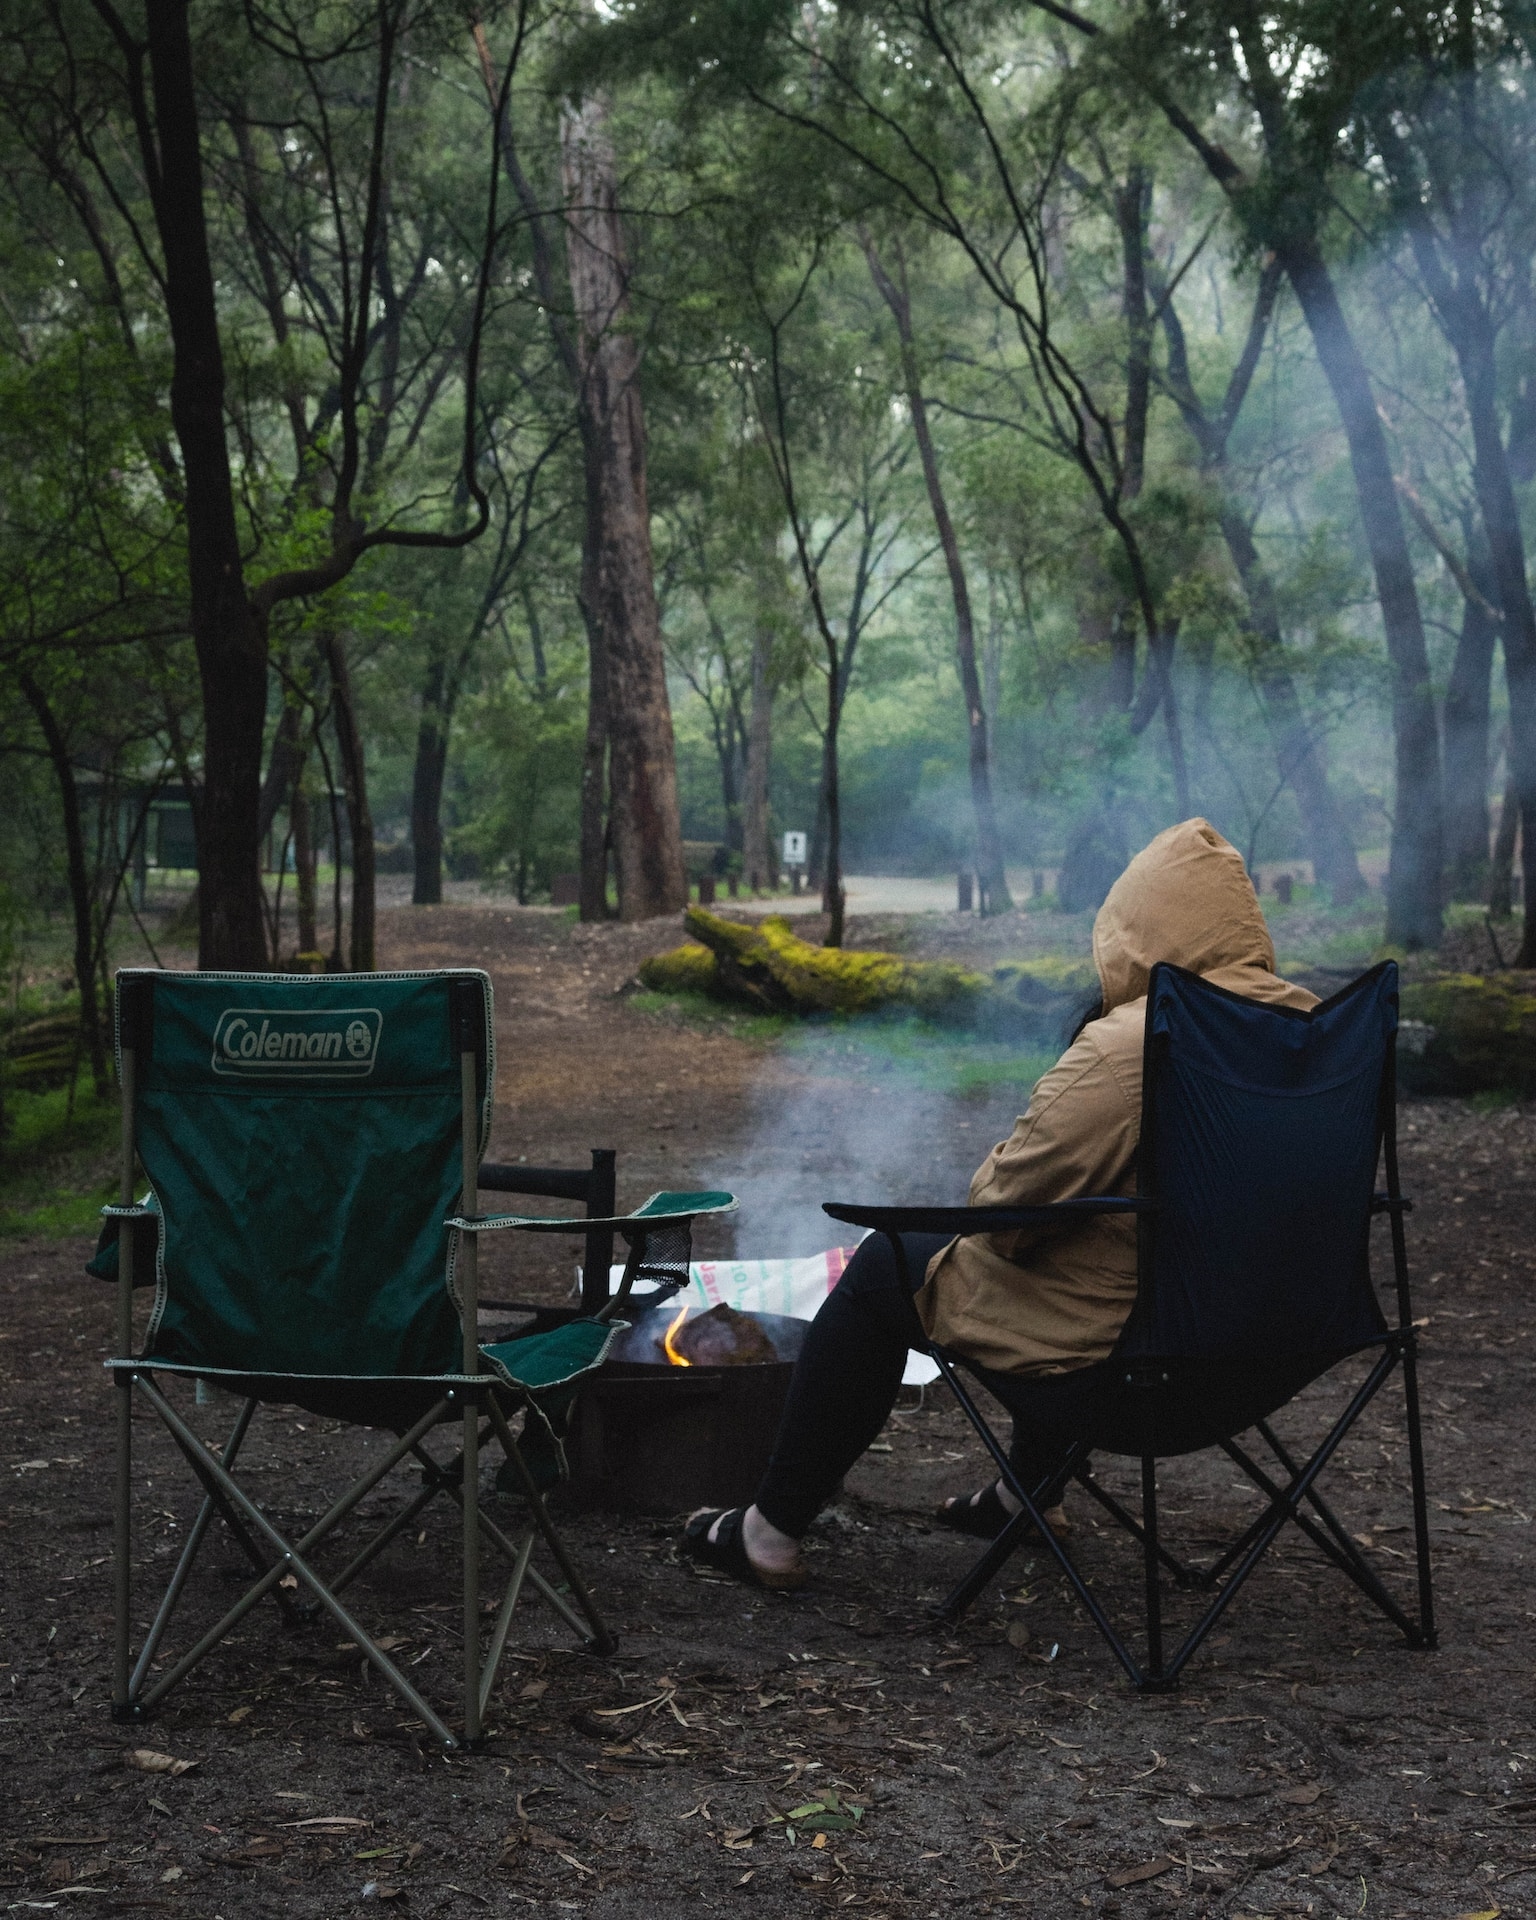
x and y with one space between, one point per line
1469 1033
56 1160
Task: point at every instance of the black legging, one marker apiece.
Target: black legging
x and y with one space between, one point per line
847 1376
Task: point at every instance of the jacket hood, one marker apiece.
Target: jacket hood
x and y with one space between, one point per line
1185 898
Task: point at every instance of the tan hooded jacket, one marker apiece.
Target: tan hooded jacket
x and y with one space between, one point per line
1048 1301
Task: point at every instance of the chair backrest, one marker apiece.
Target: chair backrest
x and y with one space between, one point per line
303 1136
1261 1132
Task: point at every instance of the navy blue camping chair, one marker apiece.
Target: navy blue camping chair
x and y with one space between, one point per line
1262 1130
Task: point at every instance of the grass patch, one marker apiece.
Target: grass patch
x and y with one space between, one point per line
56 1164
708 1015
1493 1100
916 1053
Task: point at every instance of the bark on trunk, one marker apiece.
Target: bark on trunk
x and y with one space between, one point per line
644 827
756 831
1414 877
1506 559
995 897
302 821
1501 874
1297 758
427 790
354 773
1466 740
80 891
287 755
230 642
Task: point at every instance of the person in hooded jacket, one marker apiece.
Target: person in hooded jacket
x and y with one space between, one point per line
1042 1307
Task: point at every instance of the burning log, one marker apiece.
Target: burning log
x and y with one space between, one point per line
721 1337
767 967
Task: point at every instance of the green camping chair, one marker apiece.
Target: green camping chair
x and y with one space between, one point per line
310 1145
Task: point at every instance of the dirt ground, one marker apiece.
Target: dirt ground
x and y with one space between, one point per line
1310 1764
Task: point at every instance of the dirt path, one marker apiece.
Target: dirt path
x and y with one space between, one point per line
1310 1765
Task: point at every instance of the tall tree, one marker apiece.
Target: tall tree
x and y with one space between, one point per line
151 80
618 588
989 847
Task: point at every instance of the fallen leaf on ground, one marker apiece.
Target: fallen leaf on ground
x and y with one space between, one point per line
259 1848
1018 1634
146 1760
239 1714
1302 1796
535 1690
1133 1876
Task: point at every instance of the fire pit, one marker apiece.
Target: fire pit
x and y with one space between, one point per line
684 1411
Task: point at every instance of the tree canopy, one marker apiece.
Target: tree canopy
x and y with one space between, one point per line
547 445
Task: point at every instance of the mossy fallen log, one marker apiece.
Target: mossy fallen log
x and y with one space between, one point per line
1468 1033
768 967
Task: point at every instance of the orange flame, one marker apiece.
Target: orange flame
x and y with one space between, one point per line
667 1347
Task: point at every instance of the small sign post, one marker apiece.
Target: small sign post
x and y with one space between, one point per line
794 859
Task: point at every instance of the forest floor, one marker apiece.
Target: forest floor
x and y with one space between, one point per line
1309 1764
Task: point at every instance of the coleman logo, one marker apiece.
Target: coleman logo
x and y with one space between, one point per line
340 1043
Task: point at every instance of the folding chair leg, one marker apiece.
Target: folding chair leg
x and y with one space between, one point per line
1013 1534
1343 1552
122 1498
391 1530
503 1625
188 1555
212 1475
471 1500
1186 1576
1428 1637
1153 1679
600 1640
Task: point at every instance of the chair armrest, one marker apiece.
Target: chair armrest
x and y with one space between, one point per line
661 1210
1384 1203
964 1221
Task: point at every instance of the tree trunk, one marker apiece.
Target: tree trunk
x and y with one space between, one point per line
833 898
756 831
1414 878
1501 873
354 774
301 819
230 642
644 827
1296 755
1506 558
427 789
995 897
1466 739
80 892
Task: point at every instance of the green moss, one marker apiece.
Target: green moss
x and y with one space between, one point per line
1469 1033
689 968
768 965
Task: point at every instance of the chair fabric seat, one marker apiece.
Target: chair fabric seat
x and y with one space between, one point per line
1168 1408
519 1369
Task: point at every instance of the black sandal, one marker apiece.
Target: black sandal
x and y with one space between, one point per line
728 1552
984 1516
